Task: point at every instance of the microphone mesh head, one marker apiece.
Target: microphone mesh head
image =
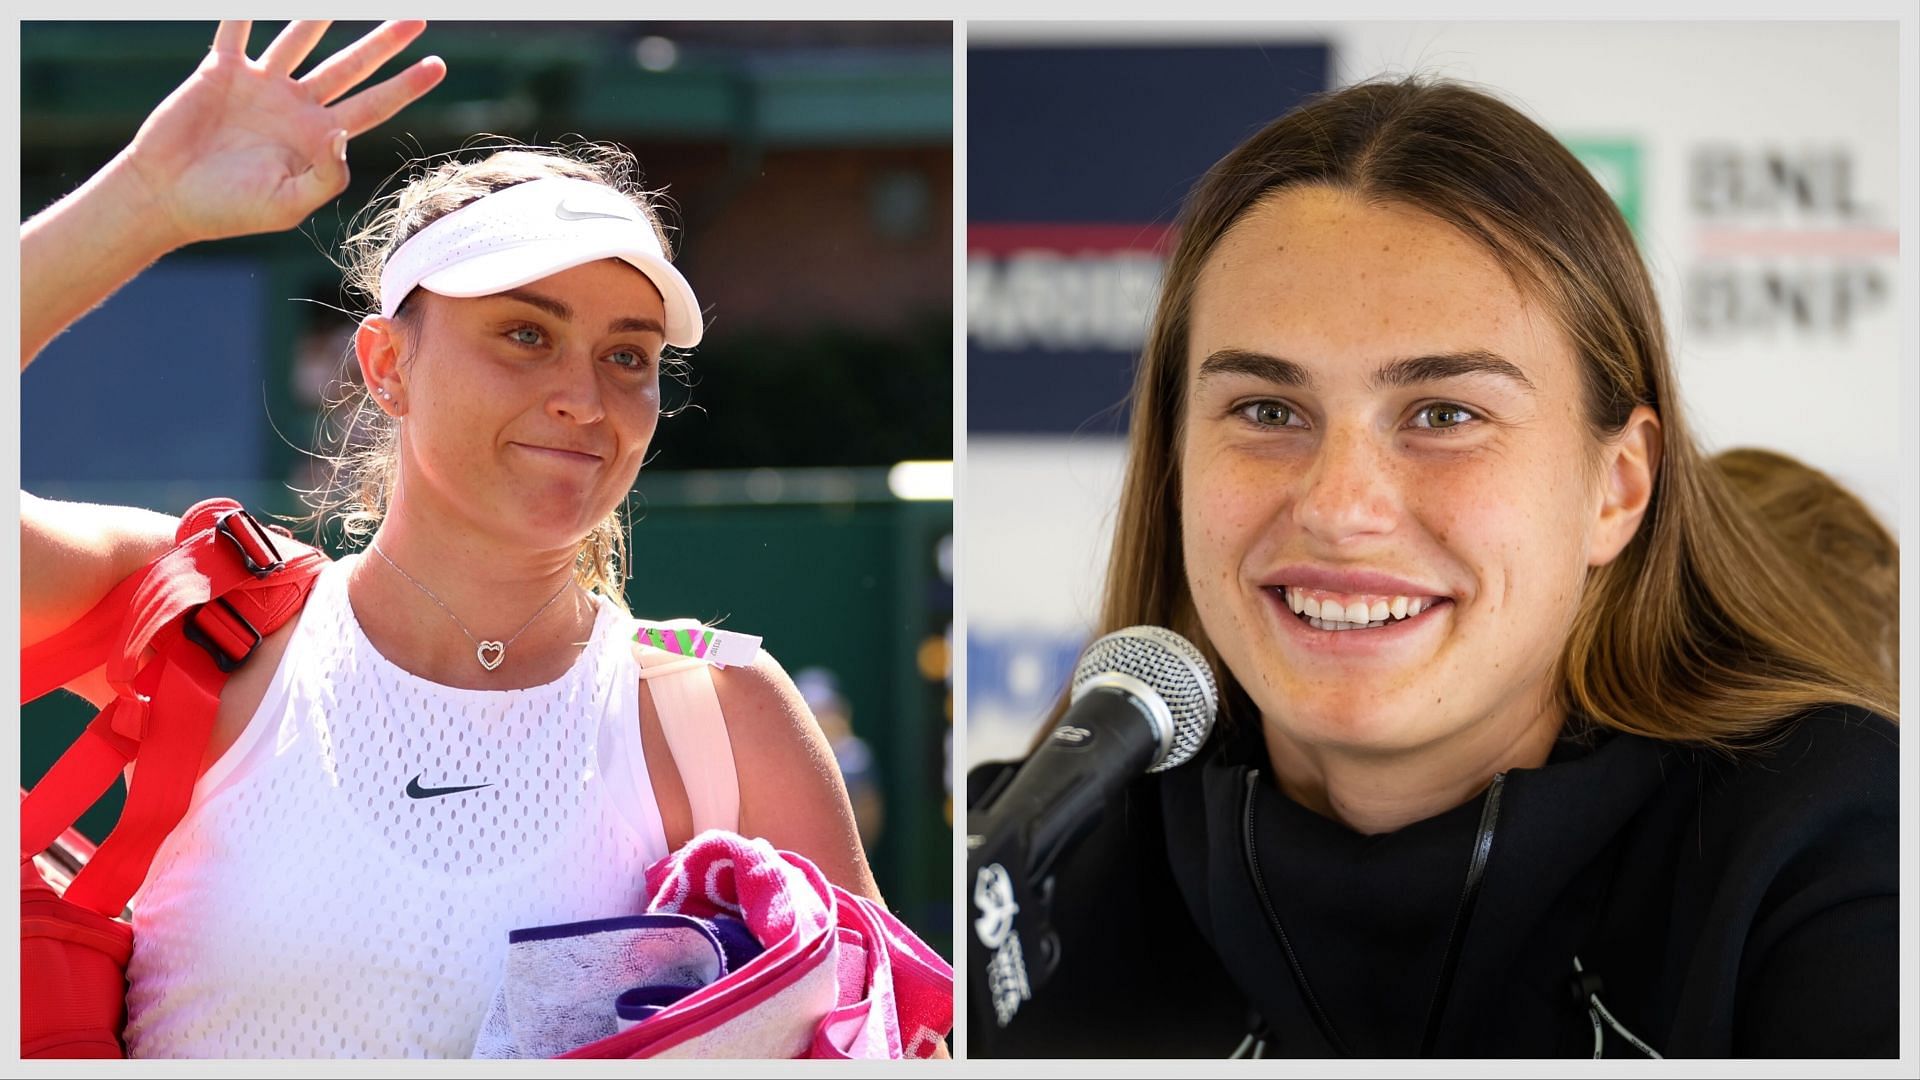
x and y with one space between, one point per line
1173 668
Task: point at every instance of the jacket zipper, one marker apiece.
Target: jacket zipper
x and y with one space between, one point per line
1469 895
1320 1017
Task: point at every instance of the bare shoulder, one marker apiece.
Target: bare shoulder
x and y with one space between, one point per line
762 704
72 554
791 792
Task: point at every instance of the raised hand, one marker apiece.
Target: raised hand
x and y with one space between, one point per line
244 147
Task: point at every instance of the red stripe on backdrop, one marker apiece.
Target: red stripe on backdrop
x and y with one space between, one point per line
1798 241
1005 239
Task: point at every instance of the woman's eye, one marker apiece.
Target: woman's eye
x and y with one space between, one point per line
629 358
1441 416
1270 414
526 335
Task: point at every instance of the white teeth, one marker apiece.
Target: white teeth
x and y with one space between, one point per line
1338 615
1322 624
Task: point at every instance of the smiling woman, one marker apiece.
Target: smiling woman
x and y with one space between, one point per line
1404 463
467 736
475 282
1407 462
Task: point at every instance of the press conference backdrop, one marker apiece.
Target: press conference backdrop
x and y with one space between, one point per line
810 171
1755 162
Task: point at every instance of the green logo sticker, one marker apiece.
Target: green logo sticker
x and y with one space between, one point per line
1616 164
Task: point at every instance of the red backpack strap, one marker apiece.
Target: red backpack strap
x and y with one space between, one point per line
202 608
48 665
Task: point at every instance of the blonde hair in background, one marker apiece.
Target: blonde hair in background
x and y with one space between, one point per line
1699 632
1822 524
362 453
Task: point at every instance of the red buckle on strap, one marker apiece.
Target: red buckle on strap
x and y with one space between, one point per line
128 720
254 541
226 635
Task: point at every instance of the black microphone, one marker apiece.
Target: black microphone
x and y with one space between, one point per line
1143 700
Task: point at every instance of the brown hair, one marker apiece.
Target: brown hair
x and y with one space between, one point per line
1698 631
1823 524
365 451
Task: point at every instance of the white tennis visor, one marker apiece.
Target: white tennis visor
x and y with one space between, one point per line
525 232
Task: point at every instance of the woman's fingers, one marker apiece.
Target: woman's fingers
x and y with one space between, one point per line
327 176
292 45
347 68
231 38
372 107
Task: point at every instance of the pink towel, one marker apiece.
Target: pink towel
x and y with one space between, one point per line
840 977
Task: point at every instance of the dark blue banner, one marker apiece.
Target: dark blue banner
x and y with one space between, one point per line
1077 161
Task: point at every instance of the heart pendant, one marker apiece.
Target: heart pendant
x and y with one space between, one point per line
498 650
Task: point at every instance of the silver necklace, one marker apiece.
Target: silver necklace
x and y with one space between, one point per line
481 649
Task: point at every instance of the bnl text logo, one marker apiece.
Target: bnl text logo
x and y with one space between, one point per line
1786 243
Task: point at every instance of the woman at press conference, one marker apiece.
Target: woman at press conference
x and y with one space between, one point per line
1532 739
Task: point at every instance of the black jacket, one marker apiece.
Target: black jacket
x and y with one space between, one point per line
1720 907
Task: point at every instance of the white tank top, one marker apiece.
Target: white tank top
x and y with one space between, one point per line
344 881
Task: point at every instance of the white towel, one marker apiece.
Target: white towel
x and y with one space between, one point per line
561 982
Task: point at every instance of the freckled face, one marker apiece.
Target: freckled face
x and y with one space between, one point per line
529 411
1374 411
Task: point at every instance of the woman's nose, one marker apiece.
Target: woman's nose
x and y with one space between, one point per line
1348 489
575 395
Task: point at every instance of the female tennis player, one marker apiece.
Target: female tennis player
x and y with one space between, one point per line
1530 741
453 739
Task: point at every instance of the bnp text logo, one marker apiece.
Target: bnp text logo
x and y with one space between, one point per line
1791 241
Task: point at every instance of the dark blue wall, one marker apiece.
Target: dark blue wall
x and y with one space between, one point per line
164 383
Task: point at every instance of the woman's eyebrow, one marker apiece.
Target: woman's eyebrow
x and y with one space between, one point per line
634 324
1271 369
548 304
1410 371
1424 369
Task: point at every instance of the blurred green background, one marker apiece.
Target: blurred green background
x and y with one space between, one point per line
809 168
